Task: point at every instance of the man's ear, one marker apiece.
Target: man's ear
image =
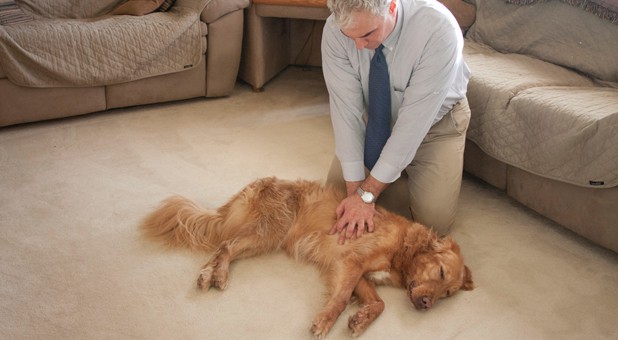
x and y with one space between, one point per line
392 7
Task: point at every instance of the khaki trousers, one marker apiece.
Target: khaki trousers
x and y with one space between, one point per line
428 189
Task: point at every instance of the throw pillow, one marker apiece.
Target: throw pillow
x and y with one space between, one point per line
166 5
137 7
605 9
10 13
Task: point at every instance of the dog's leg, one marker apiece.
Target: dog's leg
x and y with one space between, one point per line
371 307
215 272
342 279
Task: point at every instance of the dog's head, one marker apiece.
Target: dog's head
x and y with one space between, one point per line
434 269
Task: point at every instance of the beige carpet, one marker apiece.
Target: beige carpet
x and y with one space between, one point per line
73 265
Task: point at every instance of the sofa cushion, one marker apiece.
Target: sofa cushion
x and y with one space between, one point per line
551 31
569 134
565 133
498 77
111 49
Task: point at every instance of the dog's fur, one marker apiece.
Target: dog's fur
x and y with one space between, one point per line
296 216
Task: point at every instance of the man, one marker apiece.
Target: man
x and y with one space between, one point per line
427 77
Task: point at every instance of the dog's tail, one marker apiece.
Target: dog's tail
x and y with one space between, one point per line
179 222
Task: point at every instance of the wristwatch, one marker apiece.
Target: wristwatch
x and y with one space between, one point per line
367 196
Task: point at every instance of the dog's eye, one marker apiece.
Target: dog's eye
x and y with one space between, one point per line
442 273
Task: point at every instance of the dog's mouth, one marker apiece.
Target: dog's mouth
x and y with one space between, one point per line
420 301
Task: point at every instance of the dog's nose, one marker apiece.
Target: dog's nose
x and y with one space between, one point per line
423 302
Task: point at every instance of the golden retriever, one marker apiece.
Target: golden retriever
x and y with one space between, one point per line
296 216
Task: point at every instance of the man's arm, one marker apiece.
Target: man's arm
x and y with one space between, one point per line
346 101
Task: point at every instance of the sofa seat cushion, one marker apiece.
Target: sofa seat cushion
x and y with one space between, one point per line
569 134
498 77
102 51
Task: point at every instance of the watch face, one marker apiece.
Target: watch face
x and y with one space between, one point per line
367 197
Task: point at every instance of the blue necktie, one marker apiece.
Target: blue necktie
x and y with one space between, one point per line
379 111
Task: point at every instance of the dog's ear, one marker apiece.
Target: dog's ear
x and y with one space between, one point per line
468 284
444 243
416 242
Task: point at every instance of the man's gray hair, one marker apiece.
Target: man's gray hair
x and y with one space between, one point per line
342 9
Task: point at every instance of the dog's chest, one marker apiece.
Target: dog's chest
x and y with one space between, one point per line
380 278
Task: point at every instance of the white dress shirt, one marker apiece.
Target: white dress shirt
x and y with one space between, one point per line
427 74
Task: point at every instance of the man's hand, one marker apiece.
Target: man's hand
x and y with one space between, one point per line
353 217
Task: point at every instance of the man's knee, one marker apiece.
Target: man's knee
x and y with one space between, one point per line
437 216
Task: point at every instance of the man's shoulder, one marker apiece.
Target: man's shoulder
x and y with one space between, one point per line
427 15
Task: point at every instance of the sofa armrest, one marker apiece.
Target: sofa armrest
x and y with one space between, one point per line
215 9
464 12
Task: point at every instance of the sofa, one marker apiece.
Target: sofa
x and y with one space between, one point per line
64 58
544 101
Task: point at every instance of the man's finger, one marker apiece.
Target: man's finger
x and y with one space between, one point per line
359 231
342 237
370 226
351 230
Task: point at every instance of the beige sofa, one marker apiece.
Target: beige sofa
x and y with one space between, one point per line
544 102
156 77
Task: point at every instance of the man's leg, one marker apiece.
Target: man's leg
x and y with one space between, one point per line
434 176
429 187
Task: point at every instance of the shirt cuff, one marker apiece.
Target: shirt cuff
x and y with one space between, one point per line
353 171
385 173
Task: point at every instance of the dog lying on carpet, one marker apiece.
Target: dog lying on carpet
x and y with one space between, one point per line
296 216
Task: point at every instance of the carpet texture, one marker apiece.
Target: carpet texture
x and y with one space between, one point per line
74 266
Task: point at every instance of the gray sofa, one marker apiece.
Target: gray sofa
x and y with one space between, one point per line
544 102
47 94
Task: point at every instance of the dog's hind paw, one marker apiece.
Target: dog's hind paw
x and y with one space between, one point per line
204 281
210 277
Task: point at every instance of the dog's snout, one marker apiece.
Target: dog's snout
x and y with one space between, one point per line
423 302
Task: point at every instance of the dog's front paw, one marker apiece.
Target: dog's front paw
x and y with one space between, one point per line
359 322
321 325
